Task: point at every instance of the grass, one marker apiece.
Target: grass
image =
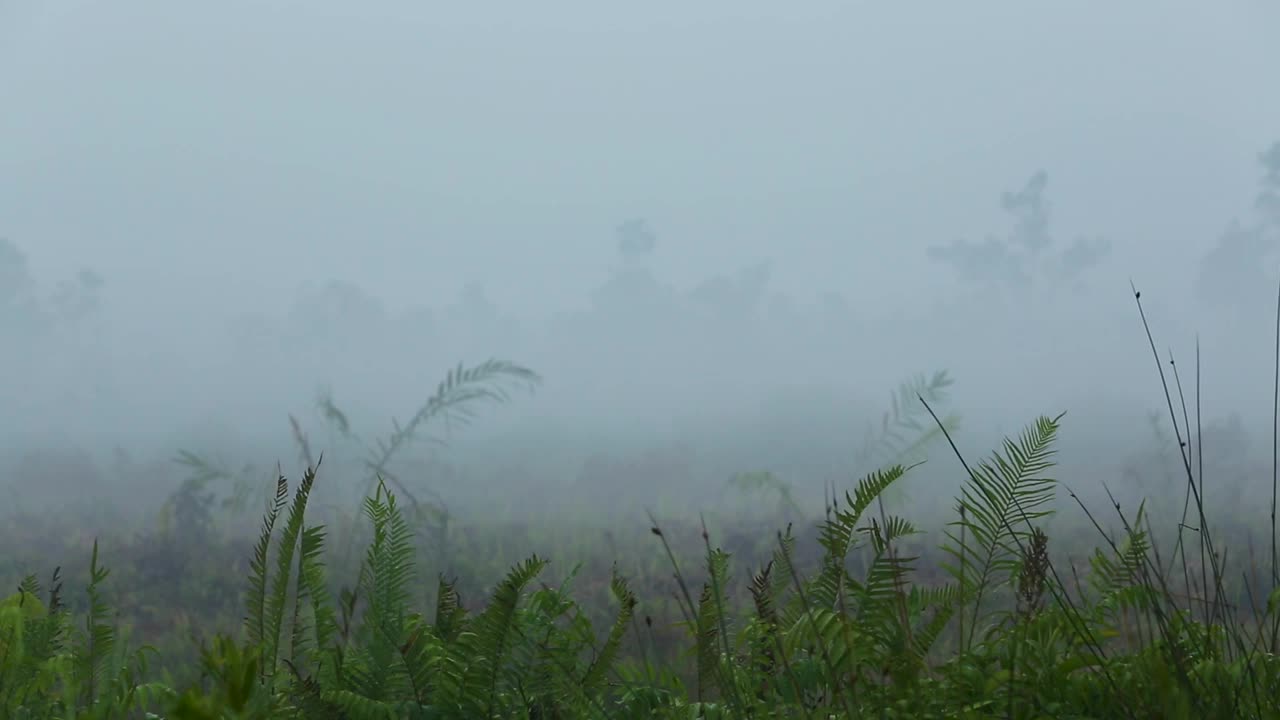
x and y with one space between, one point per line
853 617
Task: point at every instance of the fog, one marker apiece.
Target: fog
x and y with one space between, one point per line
720 232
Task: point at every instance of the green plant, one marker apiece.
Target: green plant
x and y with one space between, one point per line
752 484
50 668
1004 636
904 432
850 632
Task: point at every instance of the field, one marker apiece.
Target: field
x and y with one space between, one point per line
411 360
378 599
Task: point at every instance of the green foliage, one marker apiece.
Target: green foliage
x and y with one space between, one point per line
193 505
454 403
901 437
998 505
905 432
857 634
51 667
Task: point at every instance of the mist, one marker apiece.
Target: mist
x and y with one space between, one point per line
725 231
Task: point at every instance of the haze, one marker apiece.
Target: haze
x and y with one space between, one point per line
697 221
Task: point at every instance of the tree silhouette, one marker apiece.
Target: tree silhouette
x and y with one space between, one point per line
1234 273
1018 261
632 291
80 298
15 276
635 239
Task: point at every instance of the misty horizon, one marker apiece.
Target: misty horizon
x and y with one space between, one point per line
686 220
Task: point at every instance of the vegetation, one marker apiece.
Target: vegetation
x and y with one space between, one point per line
1004 635
992 625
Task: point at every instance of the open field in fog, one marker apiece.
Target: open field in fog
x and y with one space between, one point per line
680 360
824 595
604 538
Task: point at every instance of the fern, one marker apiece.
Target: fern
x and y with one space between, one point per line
277 601
1002 497
593 680
449 612
835 642
256 594
1121 581
454 402
711 630
488 639
902 435
839 533
204 472
97 643
384 582
312 587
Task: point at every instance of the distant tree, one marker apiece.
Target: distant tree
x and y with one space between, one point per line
77 299
1236 272
834 308
15 277
1024 258
1268 202
1081 256
20 298
735 298
475 307
635 239
22 315
1031 211
475 323
336 310
632 288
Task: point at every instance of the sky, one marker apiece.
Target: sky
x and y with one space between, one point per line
212 160
225 153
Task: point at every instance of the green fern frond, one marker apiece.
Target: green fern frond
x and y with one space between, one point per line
1000 500
97 643
872 487
762 596
784 573
488 638
839 533
593 680
1120 580
333 414
359 706
902 433
385 578
449 612
313 588
256 595
458 393
453 402
711 630
943 599
277 601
